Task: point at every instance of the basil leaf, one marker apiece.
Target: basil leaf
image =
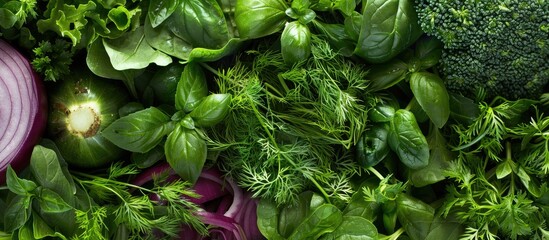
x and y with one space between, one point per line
211 110
17 212
200 54
191 87
295 42
431 94
25 232
18 185
48 172
132 51
186 153
41 229
7 18
160 10
323 219
140 131
388 27
51 202
353 227
258 18
407 140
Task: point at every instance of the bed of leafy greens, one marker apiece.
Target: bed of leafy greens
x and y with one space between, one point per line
331 114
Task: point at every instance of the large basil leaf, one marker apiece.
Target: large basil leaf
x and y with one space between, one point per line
186 153
407 140
323 219
295 42
48 172
191 87
140 131
388 27
353 227
258 18
211 110
132 51
431 94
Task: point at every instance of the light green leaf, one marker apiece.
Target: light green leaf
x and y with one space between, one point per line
132 51
140 131
186 153
191 87
51 202
18 185
211 110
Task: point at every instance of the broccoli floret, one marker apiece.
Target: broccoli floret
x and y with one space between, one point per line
501 46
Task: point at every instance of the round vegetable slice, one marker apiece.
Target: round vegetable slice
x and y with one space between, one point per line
80 108
23 109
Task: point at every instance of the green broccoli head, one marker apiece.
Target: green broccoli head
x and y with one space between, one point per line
501 46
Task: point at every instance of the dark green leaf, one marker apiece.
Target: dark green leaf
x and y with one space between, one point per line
439 158
211 110
388 27
41 229
292 215
355 228
463 109
258 18
295 42
323 219
191 87
267 219
358 206
415 216
186 153
7 18
17 212
383 111
95 60
51 202
431 94
48 171
383 76
372 147
428 51
407 140
140 131
160 10
148 159
18 185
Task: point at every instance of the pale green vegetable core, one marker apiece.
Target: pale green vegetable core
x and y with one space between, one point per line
83 121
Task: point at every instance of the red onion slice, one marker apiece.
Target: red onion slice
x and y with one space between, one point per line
23 109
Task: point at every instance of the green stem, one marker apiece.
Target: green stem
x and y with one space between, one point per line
209 68
375 172
108 180
326 196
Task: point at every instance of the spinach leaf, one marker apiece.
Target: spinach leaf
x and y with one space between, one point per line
140 131
439 159
415 216
407 140
431 94
386 75
191 88
160 10
353 227
323 219
373 146
388 27
132 51
186 153
267 219
211 110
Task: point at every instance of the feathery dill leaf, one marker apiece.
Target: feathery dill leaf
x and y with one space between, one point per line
290 128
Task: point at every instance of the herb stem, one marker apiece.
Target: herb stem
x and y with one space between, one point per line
209 68
109 180
375 172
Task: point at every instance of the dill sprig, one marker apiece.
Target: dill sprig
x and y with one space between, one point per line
291 128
